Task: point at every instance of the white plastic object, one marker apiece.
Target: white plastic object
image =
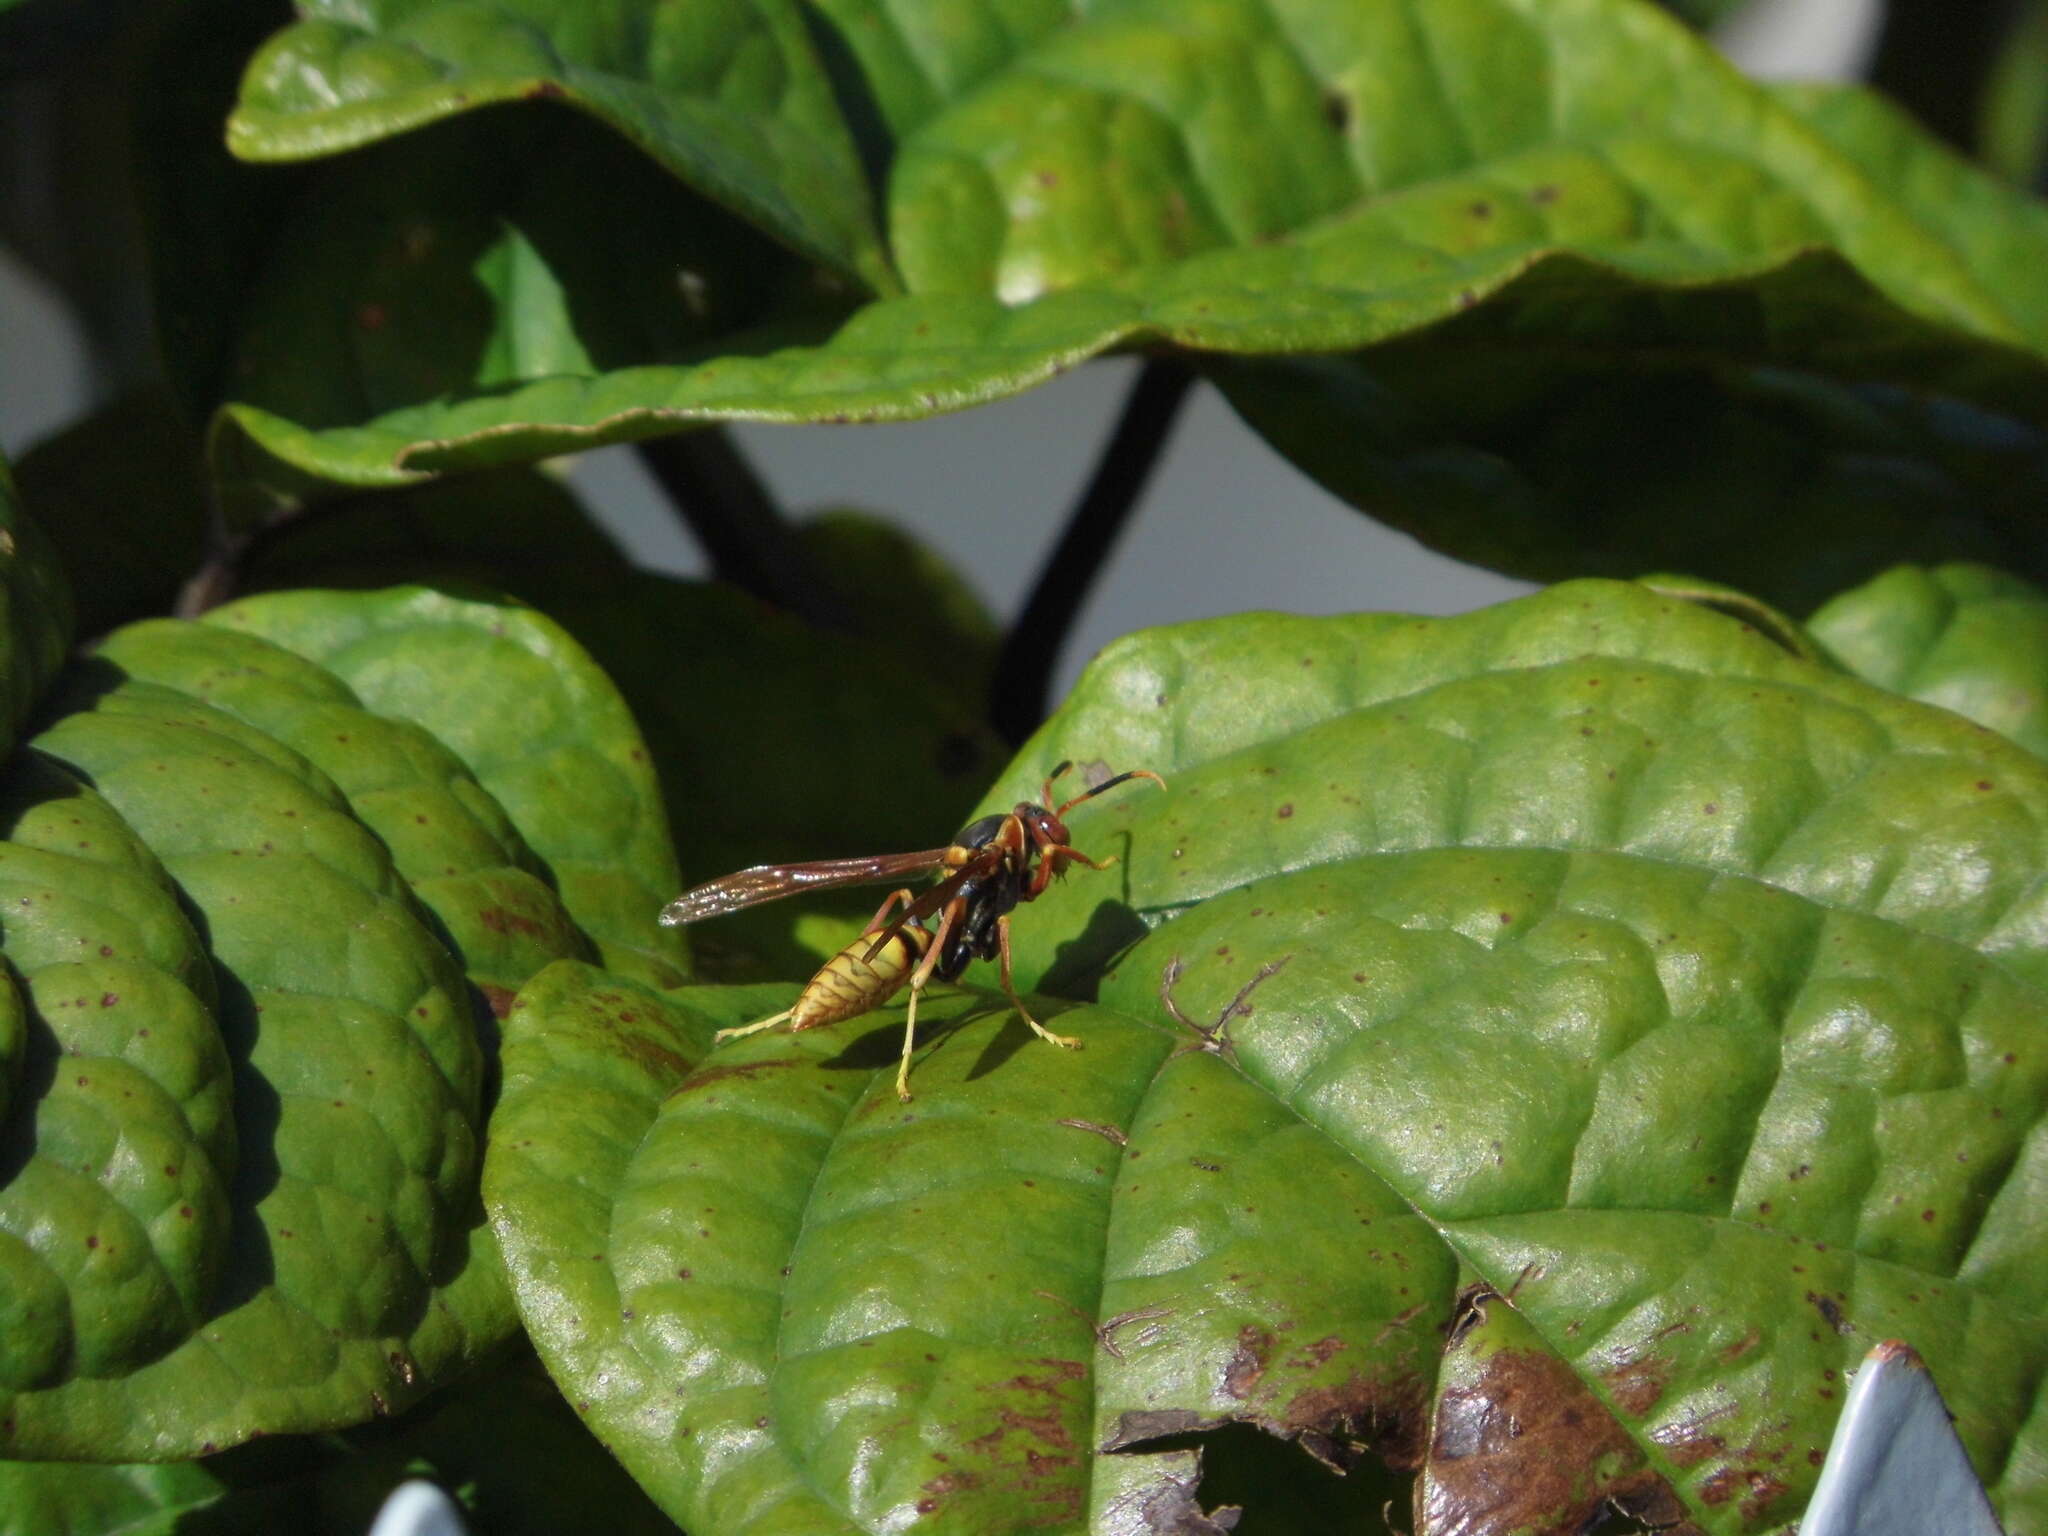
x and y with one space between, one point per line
419 1508
1896 1467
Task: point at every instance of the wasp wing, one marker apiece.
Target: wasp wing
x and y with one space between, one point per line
768 882
931 900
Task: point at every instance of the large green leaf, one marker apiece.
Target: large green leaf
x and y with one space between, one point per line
452 843
349 1287
531 716
1610 201
1684 991
1966 637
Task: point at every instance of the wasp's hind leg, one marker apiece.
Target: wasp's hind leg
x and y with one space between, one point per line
1068 1042
735 1033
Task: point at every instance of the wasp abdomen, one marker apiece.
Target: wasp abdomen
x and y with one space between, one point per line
851 983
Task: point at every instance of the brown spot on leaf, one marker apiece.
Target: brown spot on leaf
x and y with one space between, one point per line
498 920
1526 1446
704 1077
1247 1362
1636 1385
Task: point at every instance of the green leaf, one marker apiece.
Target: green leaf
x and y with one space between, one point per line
1552 231
1556 461
1998 236
1780 628
2013 127
349 1285
449 840
734 102
497 250
524 708
905 595
79 1499
1682 990
119 1153
1966 637
1434 702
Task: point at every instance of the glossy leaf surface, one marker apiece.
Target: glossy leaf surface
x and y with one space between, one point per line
348 1026
1578 186
452 843
1968 638
1680 989
261 930
531 716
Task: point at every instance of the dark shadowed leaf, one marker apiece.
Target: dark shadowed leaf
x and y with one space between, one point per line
35 609
122 497
2013 120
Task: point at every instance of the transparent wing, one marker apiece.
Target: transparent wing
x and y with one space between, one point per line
770 882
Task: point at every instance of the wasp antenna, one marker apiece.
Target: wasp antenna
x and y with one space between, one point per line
1045 789
1108 784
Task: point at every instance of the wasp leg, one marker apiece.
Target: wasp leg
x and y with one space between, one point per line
1070 1042
880 920
947 921
1053 858
770 1022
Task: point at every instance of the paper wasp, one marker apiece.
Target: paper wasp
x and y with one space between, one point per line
990 867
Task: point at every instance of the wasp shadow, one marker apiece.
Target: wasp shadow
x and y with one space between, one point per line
1113 930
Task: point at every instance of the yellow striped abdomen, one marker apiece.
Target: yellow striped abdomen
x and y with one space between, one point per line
850 984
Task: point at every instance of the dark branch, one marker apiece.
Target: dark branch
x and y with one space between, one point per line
1023 673
727 509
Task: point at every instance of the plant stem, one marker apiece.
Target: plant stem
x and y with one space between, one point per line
1023 672
729 512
